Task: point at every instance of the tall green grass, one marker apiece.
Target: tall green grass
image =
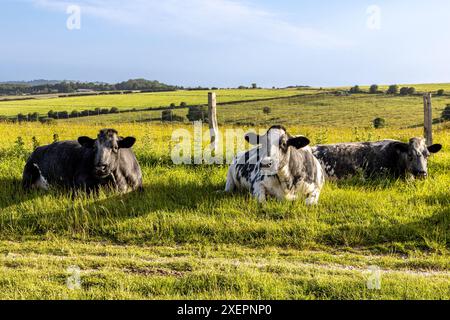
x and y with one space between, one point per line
183 238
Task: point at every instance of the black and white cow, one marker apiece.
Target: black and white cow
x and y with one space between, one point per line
388 157
85 164
281 166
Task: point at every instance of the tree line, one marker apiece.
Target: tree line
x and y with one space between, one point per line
71 87
392 89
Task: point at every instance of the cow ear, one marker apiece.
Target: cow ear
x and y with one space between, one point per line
127 142
86 142
401 147
435 148
253 138
298 142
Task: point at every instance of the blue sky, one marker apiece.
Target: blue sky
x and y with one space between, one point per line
228 43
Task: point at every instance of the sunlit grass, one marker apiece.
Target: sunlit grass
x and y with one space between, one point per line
183 239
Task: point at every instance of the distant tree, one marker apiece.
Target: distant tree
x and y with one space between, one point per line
446 113
173 105
114 110
267 110
74 114
440 92
52 114
21 117
254 86
355 89
63 115
393 89
167 115
404 91
104 111
144 85
379 123
33 116
242 87
411 91
373 89
197 113
183 104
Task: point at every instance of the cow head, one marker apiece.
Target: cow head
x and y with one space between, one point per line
106 150
415 156
274 149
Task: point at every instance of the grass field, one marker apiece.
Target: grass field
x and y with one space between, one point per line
139 100
324 110
183 239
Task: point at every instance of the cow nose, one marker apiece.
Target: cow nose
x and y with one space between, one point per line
421 174
101 168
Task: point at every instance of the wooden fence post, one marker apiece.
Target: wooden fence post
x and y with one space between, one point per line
212 120
428 119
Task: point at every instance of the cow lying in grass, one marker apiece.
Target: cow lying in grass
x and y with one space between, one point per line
281 166
85 164
384 158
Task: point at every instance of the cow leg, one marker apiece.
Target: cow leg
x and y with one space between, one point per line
313 198
32 177
260 193
230 185
84 183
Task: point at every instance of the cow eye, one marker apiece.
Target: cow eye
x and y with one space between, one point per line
115 149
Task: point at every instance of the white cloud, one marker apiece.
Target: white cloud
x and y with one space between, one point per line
205 19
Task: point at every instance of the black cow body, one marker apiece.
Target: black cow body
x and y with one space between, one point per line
388 157
71 165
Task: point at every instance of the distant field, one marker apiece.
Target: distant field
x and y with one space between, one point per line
330 111
139 100
317 110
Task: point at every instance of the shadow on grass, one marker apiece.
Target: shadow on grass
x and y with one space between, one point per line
100 216
12 193
384 236
420 125
368 183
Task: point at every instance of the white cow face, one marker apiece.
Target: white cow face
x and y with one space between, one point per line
275 145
